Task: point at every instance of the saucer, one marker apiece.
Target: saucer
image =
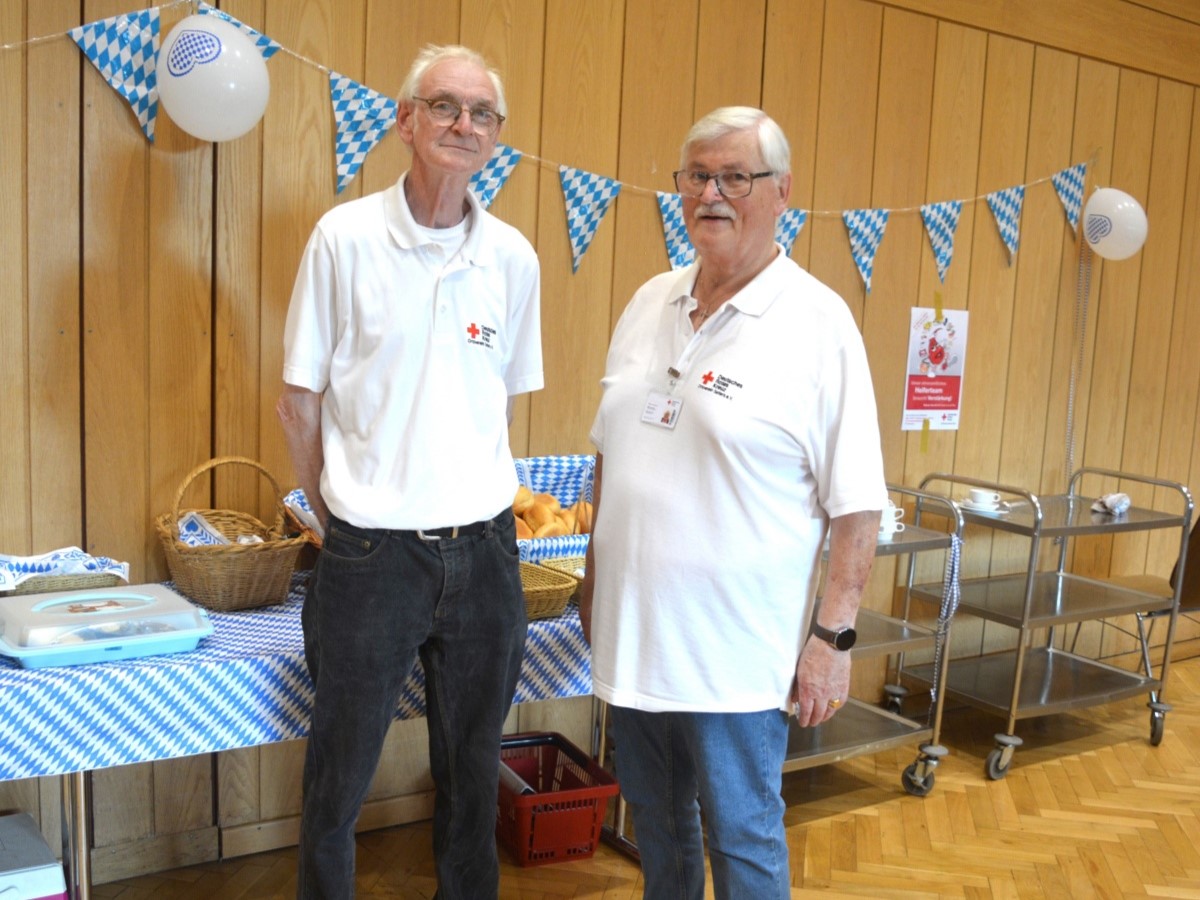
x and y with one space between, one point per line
1000 508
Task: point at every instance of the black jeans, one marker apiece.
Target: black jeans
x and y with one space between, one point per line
376 599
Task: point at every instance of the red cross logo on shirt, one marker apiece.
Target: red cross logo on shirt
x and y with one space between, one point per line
473 331
707 378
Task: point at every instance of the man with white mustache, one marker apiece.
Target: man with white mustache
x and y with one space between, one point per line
737 425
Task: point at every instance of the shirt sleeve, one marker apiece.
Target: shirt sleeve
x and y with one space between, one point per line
311 330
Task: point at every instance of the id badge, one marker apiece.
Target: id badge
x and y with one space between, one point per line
662 410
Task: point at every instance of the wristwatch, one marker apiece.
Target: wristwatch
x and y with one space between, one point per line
842 639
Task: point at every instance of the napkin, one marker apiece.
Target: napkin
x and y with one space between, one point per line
1113 504
65 561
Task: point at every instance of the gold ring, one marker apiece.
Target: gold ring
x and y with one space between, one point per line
835 703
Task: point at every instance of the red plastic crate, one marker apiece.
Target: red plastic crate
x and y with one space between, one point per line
561 821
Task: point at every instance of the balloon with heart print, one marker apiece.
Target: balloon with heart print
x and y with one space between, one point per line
212 80
1114 224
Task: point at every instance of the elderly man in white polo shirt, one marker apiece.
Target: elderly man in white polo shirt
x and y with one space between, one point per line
413 322
737 426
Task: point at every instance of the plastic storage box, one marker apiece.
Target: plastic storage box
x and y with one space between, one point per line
66 628
562 818
28 869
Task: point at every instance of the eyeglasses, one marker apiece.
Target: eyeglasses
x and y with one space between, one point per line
445 111
730 185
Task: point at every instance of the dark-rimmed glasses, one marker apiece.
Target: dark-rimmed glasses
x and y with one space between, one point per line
446 110
730 185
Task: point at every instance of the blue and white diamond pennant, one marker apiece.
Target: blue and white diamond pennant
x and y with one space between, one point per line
866 227
679 246
363 117
1069 184
941 221
588 198
788 227
125 50
266 46
486 183
1006 207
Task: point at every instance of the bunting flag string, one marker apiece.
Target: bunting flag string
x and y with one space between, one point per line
486 183
941 221
1069 185
363 117
266 46
865 227
1006 209
125 51
587 197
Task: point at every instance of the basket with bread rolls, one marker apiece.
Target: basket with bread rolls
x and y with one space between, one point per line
553 506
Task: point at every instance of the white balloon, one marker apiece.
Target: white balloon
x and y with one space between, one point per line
212 80
1114 223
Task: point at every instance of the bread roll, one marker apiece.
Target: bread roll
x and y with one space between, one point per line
524 532
523 500
549 500
539 514
567 517
583 516
554 529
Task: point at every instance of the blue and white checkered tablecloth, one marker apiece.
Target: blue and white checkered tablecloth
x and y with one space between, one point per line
243 686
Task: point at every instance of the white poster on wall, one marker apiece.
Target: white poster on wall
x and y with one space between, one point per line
937 350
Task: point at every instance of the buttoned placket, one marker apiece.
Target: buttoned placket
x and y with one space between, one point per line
695 341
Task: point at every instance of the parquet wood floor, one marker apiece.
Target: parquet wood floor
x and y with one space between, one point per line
1088 810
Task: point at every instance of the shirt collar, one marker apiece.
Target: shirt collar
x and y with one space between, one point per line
754 299
403 228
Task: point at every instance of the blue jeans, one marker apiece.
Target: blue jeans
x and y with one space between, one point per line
376 599
671 765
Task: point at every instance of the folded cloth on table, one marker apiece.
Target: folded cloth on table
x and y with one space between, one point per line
1113 504
65 561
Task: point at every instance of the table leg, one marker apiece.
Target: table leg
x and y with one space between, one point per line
77 838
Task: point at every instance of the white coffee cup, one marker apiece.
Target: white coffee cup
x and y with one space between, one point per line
889 528
984 497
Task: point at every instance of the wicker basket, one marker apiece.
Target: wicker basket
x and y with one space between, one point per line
568 565
231 576
546 591
82 581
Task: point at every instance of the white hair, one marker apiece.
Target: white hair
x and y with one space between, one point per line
432 54
772 142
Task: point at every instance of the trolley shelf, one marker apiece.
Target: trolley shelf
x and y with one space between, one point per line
856 729
1065 515
1052 681
1057 598
880 634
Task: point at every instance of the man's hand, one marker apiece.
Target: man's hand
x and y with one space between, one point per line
822 682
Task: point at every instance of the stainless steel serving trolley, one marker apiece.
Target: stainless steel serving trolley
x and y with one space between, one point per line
1037 678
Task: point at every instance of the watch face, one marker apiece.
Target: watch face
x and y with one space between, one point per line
844 639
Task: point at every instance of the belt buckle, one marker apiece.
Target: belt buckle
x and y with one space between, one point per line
436 537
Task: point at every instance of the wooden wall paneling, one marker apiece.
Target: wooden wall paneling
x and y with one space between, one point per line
724 25
990 351
1039 264
298 185
1119 31
657 108
238 781
582 86
1091 142
845 142
1117 307
237 250
511 35
954 138
178 323
907 54
52 270
791 93
1178 459
16 524
1153 317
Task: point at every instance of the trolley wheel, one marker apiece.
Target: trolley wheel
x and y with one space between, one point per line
1158 721
914 784
997 768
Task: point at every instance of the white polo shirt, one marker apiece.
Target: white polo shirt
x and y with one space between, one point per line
709 533
416 355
